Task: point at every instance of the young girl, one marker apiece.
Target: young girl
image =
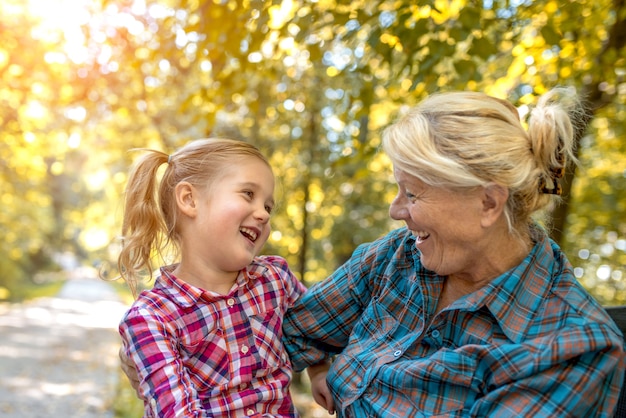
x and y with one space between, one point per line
206 340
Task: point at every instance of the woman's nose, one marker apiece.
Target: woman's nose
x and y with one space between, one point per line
397 209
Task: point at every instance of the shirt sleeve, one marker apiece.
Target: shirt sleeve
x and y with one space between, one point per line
293 287
578 373
164 384
321 321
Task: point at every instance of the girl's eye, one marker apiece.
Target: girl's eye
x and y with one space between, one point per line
248 193
269 209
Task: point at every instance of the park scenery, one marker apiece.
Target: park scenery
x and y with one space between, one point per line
311 83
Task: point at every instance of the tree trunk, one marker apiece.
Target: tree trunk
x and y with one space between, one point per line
593 99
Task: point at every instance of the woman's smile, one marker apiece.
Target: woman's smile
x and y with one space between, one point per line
420 236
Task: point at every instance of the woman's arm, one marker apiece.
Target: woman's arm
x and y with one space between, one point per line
321 321
579 374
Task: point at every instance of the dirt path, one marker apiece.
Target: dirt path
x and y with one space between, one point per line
58 356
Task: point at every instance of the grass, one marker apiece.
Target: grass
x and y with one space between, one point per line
29 290
126 404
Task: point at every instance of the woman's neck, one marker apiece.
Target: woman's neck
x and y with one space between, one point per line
502 255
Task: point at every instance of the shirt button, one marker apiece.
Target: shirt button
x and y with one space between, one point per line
230 302
435 334
244 349
243 386
397 353
250 412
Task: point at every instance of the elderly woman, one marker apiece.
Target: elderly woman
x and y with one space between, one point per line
470 310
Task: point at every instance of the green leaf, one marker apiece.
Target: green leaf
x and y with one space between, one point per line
483 48
550 35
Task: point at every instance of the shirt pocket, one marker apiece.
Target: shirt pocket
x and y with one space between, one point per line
376 324
442 384
205 355
267 331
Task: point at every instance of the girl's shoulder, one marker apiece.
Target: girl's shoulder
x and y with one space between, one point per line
272 261
154 303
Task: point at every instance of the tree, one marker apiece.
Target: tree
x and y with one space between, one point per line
515 50
310 83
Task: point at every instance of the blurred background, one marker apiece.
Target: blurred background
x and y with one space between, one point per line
311 83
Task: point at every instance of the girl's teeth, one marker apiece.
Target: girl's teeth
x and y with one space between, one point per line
251 234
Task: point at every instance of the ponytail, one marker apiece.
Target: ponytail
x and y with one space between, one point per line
143 227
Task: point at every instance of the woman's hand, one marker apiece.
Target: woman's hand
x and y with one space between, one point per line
319 388
129 370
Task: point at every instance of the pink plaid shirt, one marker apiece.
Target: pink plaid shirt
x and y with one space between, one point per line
200 354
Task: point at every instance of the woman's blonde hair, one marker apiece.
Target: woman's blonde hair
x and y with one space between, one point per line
150 211
463 140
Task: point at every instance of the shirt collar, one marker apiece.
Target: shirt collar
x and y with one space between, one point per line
514 297
186 295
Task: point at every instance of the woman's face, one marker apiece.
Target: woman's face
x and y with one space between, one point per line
446 224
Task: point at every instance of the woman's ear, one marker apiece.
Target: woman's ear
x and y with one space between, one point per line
186 196
494 200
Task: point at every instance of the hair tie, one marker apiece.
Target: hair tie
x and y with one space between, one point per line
556 173
556 188
169 158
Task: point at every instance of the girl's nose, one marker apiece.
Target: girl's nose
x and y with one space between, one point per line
262 215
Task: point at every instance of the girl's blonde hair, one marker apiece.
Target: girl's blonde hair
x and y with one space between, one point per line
463 140
150 211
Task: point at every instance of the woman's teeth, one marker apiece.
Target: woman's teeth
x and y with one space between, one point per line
420 236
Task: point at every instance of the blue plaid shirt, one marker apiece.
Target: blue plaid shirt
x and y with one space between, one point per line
532 343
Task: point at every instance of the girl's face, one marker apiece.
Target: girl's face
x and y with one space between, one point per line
232 223
446 224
